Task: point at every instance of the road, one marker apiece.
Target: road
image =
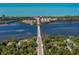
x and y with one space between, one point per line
39 39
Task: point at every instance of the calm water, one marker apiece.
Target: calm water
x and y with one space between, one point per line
61 28
20 30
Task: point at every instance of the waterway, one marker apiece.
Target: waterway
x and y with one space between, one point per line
20 30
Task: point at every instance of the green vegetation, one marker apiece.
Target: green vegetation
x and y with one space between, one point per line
55 45
18 47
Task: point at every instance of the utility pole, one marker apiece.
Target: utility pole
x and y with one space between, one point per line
39 38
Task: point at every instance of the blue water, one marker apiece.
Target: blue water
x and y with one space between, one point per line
9 31
26 30
61 28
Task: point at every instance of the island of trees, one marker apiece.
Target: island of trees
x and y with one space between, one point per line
31 19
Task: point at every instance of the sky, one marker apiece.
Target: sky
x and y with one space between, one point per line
39 9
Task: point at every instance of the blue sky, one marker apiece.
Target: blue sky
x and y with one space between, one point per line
39 9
